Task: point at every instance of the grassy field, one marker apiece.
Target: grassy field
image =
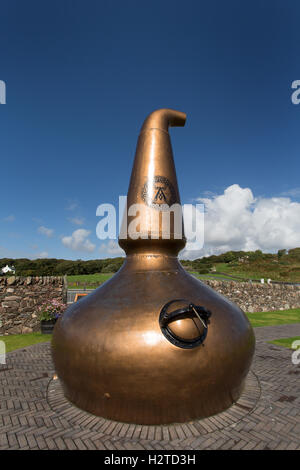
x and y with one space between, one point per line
285 342
279 317
13 342
218 276
88 281
224 271
91 281
277 271
276 317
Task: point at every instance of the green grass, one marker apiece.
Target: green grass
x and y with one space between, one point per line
285 342
216 276
276 317
278 271
240 272
13 342
89 281
237 271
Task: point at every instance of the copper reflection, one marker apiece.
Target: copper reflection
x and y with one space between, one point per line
153 345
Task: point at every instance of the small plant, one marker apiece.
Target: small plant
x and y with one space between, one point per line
51 310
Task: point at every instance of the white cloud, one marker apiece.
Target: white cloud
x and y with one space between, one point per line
45 231
78 241
43 254
72 205
9 218
295 192
236 220
111 248
76 220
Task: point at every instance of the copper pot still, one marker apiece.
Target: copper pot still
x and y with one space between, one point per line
153 345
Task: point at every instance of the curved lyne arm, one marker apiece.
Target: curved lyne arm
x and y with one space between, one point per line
163 119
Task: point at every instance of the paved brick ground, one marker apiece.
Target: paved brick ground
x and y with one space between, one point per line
35 415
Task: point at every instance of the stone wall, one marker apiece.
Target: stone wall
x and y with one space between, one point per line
257 297
20 298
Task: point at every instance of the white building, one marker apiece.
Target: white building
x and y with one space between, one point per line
7 269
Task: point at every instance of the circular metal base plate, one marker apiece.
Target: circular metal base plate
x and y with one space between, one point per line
82 419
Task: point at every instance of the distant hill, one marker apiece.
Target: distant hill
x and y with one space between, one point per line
60 267
282 266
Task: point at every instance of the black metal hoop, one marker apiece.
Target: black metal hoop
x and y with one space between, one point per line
191 311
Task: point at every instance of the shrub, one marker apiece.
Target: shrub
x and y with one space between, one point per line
203 271
51 310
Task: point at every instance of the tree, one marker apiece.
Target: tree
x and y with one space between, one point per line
280 254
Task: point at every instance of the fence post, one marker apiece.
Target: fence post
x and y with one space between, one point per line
65 289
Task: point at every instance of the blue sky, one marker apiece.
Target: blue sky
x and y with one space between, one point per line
81 76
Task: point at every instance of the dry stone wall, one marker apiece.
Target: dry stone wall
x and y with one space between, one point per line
255 297
20 298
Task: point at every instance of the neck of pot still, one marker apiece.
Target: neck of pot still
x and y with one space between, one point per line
152 226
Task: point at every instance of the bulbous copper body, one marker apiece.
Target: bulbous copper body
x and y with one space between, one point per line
113 352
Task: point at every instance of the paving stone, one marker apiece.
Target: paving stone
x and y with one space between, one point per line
35 415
